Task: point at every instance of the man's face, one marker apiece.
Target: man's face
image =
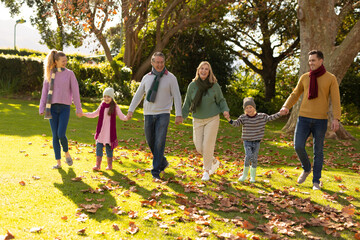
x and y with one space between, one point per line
158 63
315 62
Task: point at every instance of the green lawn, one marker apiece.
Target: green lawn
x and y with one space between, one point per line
76 203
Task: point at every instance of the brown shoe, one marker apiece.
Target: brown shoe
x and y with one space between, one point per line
303 177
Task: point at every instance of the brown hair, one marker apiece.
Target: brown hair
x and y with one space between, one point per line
212 77
112 107
318 53
49 63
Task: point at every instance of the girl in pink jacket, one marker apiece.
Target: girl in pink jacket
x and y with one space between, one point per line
106 127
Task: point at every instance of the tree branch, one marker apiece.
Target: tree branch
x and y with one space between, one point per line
343 13
290 49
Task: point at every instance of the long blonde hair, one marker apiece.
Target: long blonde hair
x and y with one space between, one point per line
49 63
212 77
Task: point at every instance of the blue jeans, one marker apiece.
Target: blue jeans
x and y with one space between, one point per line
100 147
60 119
317 127
155 132
251 153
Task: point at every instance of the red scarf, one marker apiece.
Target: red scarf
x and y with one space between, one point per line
313 88
113 136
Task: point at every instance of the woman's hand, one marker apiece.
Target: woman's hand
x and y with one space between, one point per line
227 115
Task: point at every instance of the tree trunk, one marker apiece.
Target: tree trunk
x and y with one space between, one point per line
142 69
268 74
318 30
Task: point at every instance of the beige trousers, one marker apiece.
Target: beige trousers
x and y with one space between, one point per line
204 135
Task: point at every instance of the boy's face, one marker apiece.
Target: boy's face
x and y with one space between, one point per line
107 99
250 110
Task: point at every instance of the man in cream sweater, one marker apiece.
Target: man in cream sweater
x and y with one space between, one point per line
161 90
316 86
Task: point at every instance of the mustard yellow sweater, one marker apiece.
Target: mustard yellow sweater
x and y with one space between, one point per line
318 107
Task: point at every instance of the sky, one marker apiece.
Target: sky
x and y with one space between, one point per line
27 36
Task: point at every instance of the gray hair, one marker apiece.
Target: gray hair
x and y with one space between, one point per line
157 54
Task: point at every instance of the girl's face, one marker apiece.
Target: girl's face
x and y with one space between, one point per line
107 99
250 110
61 62
204 71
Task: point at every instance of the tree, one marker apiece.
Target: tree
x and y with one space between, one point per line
188 48
320 24
92 16
164 18
265 31
47 11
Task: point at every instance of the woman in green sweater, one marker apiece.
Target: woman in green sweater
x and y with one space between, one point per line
205 101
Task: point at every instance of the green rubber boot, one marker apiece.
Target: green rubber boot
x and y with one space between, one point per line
245 173
252 174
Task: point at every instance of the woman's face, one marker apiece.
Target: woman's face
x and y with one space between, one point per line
61 62
204 71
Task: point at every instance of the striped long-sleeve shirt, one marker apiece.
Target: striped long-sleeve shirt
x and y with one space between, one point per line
253 127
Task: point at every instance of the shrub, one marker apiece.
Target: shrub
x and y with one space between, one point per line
20 74
350 114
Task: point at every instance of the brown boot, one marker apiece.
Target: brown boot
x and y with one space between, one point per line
109 161
98 163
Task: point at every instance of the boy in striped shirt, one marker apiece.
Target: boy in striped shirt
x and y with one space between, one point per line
252 132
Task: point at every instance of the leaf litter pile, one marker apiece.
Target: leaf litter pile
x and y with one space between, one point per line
251 211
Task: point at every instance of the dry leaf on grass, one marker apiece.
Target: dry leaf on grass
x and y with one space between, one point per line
36 229
7 236
81 231
132 228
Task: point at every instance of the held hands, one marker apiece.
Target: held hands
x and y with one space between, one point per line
227 115
284 111
129 115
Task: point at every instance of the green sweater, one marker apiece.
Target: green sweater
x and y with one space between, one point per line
212 103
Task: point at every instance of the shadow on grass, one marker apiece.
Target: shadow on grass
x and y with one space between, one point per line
73 191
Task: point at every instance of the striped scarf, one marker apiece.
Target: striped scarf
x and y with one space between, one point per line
49 96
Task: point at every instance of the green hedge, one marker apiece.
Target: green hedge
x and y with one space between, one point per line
20 74
24 75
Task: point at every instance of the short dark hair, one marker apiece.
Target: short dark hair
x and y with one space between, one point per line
318 53
157 54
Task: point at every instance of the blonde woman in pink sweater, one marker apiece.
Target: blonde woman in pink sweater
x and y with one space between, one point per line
60 90
106 127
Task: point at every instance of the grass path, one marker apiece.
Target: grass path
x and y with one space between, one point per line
76 203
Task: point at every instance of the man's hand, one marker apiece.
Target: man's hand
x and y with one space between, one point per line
178 120
335 125
79 114
284 111
129 115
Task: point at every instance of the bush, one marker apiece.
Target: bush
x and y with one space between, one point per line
24 75
350 114
20 74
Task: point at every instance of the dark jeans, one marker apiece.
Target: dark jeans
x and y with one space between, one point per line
155 132
251 153
317 127
60 119
99 150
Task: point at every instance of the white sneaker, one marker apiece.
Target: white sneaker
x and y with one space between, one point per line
214 167
205 177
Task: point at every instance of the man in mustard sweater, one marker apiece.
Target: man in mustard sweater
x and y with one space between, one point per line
316 86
